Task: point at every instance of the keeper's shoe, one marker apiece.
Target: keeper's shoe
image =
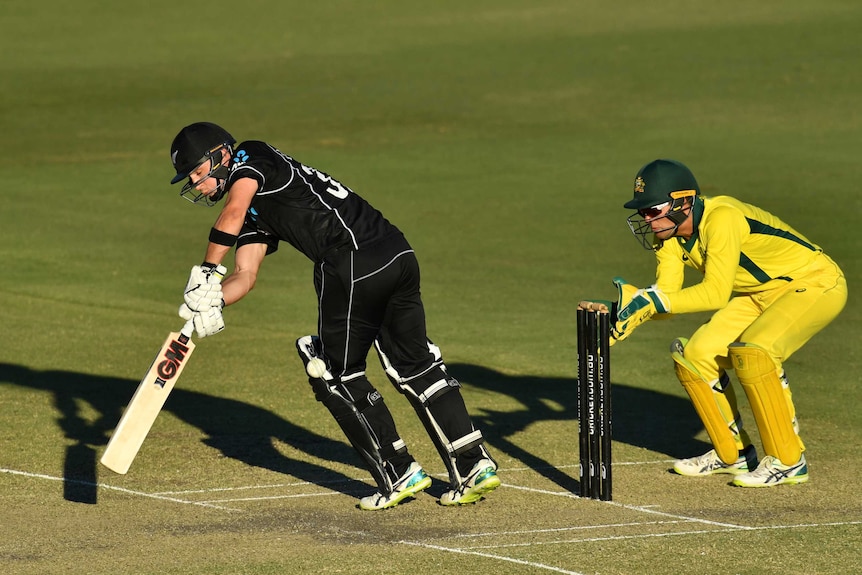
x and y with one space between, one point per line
772 472
481 481
412 482
710 464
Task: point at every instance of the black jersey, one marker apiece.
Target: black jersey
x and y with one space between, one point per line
303 206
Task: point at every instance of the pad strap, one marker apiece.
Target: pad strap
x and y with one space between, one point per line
466 443
437 389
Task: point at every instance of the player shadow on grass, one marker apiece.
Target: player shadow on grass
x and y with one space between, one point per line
238 430
641 417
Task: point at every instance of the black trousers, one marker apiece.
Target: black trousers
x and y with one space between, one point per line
374 295
368 294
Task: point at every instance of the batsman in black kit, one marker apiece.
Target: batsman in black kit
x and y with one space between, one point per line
367 281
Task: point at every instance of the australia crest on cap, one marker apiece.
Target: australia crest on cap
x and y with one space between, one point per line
640 185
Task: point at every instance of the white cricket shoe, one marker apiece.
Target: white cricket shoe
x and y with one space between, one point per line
481 480
772 472
412 482
710 464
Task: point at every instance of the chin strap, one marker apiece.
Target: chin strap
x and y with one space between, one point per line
220 172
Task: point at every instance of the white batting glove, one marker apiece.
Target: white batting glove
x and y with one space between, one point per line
203 290
209 322
206 323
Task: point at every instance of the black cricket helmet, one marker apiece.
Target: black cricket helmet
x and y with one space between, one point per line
656 184
195 144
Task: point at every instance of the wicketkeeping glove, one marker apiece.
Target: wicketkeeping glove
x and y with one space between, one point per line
203 290
634 307
206 323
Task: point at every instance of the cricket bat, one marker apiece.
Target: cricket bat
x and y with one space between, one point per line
148 400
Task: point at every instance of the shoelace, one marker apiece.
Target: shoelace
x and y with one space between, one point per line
770 469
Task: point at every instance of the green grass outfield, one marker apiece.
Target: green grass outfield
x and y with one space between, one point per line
502 137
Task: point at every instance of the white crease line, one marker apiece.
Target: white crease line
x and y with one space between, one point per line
266 498
677 516
673 534
559 529
595 539
642 509
576 465
491 556
251 487
114 488
217 489
544 491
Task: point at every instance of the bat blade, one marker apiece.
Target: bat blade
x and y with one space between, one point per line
147 401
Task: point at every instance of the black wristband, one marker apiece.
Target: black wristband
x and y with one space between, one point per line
222 238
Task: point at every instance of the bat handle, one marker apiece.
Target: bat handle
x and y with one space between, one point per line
188 329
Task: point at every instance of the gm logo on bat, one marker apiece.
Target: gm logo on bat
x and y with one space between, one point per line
171 361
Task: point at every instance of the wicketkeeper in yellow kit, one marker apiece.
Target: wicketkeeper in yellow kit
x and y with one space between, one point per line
772 290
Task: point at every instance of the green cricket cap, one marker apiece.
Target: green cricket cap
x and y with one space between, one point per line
661 181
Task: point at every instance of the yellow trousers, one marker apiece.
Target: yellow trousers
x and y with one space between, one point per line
780 320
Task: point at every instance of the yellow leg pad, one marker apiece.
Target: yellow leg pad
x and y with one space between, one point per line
717 410
769 402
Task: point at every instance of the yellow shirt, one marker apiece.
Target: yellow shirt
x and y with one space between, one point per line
738 248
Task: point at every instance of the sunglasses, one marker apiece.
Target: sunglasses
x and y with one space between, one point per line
654 211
